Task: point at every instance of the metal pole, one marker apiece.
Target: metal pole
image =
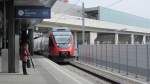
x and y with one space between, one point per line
127 59
89 54
92 54
96 56
83 24
85 54
147 79
106 56
101 56
5 26
86 57
82 53
136 63
81 57
78 51
119 58
112 58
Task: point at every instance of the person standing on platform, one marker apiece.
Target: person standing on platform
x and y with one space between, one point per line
25 57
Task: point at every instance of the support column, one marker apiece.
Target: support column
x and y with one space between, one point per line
132 39
17 54
116 38
144 39
93 36
11 37
31 41
4 60
75 43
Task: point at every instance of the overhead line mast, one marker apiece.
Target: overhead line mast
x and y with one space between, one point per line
83 24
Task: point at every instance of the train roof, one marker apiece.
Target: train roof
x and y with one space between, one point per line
60 29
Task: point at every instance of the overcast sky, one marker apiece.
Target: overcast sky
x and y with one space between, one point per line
136 7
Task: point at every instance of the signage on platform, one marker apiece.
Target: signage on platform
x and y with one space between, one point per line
32 12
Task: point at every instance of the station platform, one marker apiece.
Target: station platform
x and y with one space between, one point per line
45 72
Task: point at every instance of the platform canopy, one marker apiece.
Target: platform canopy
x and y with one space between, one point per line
47 3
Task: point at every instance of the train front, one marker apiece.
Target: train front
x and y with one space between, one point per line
63 48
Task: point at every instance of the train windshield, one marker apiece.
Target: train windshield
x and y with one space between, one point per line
62 37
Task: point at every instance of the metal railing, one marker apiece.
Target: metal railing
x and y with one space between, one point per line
131 60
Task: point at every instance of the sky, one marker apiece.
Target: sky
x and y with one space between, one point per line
135 7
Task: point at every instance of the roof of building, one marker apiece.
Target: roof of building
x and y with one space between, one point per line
90 24
68 15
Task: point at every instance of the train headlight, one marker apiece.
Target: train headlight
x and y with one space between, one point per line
58 45
69 45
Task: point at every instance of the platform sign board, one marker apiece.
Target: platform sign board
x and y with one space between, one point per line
32 12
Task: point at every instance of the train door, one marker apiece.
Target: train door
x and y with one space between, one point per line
51 45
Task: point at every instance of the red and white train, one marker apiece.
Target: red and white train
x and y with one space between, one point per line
58 44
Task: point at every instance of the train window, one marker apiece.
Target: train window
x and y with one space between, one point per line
62 33
62 39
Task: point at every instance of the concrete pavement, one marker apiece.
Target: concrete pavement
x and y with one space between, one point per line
45 72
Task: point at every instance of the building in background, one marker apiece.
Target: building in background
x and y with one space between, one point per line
103 25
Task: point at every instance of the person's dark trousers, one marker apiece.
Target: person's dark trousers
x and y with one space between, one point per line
24 65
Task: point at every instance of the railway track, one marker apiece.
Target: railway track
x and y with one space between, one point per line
94 78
